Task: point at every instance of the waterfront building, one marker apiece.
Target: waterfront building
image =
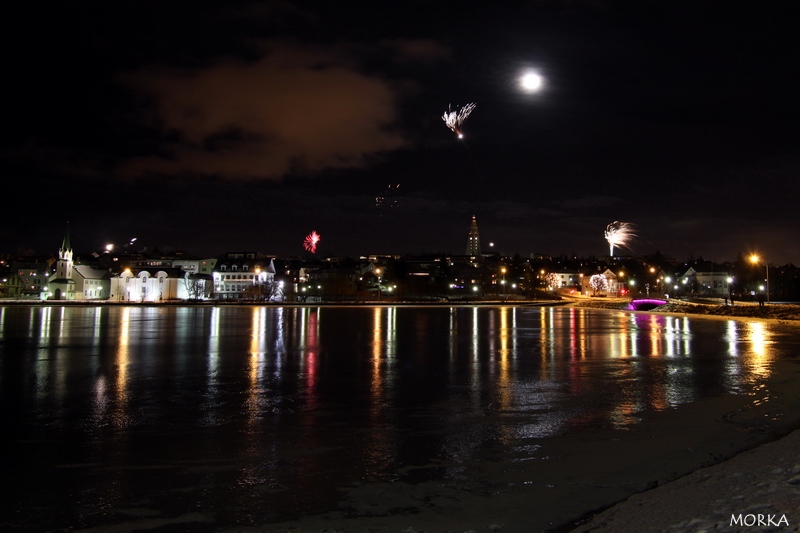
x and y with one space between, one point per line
61 286
566 278
245 276
149 285
27 280
705 283
614 285
76 282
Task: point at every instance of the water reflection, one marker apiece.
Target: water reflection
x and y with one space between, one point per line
759 356
123 357
503 345
305 397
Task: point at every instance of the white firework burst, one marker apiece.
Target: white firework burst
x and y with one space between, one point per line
455 119
619 234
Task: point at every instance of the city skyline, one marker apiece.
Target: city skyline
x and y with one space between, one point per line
210 128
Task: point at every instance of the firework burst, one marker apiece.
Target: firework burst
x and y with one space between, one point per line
619 234
455 119
387 200
310 243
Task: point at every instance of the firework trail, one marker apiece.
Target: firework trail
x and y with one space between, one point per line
619 234
455 119
311 241
386 199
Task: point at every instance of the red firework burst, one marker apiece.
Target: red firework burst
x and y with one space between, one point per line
311 241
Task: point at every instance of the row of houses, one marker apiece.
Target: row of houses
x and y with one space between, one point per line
256 277
234 276
688 281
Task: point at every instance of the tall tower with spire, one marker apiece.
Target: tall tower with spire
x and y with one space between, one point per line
474 240
61 284
64 264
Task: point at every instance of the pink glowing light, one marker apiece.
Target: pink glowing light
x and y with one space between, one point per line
311 241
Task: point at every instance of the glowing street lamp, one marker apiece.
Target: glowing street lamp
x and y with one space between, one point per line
756 260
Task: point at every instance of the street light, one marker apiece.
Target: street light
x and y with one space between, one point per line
755 259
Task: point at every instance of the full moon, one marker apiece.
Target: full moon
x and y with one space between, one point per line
531 82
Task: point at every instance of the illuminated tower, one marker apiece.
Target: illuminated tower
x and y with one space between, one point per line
61 284
474 241
64 264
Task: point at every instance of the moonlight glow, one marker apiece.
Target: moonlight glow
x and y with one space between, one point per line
531 82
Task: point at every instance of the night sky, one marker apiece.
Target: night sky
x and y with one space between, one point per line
229 126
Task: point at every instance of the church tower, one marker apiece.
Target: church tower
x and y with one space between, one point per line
61 285
474 241
64 265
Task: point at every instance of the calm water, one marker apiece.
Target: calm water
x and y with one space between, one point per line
253 415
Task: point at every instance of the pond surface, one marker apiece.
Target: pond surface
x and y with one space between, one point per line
210 418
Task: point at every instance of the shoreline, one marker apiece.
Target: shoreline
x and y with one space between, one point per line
777 313
732 495
786 314
754 488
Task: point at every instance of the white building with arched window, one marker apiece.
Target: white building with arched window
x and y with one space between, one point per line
149 285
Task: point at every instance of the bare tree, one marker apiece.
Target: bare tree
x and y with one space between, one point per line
196 286
598 282
264 291
553 281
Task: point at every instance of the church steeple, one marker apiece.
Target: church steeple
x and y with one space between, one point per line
66 247
64 264
474 241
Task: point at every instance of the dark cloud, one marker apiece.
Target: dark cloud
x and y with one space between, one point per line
296 110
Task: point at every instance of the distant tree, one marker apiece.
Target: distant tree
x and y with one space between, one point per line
598 282
552 280
264 291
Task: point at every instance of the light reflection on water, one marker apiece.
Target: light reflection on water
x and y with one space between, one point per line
301 400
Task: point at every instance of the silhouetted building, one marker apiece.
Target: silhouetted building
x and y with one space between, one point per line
474 240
